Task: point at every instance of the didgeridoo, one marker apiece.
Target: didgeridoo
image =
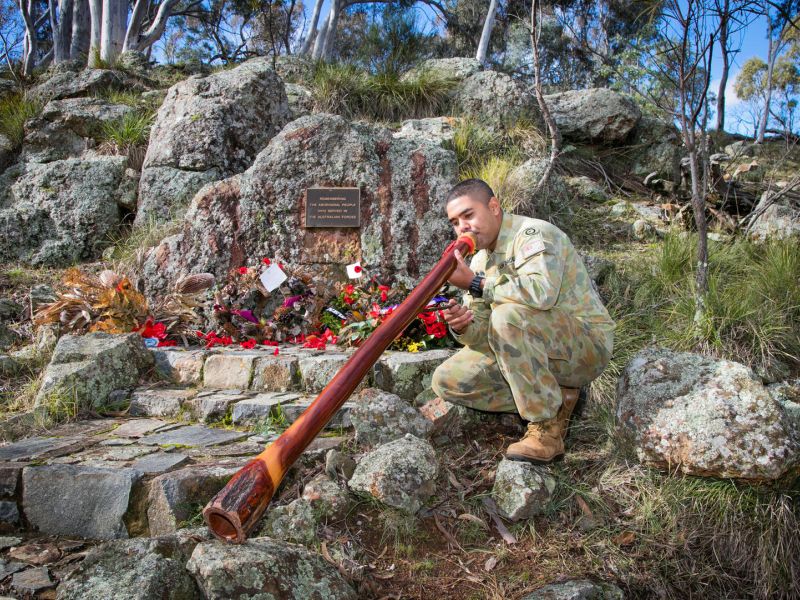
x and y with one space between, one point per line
235 510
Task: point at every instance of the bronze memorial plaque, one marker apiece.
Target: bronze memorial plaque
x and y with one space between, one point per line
333 207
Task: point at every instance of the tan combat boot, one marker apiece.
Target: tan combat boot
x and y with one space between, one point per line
541 444
544 441
569 400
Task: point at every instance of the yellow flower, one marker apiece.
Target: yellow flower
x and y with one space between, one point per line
412 347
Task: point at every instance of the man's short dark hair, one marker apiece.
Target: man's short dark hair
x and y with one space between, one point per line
477 189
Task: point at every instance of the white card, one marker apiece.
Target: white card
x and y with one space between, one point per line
273 277
354 271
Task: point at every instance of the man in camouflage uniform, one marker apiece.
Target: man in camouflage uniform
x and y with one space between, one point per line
533 327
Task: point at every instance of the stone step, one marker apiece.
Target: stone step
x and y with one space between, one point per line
123 477
293 369
245 410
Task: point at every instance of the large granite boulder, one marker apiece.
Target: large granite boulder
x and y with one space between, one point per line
458 68
440 130
67 83
85 370
262 211
294 68
299 99
136 569
493 99
595 115
401 474
265 568
64 211
66 128
6 152
656 148
554 198
704 416
209 128
779 221
379 417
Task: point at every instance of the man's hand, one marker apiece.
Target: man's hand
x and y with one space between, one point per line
457 316
463 275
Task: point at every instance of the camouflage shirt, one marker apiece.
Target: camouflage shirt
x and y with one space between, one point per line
534 264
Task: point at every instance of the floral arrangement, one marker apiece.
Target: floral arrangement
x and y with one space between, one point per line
302 310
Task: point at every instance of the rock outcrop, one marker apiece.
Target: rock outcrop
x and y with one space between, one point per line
704 417
596 115
85 370
262 211
266 568
67 128
137 569
63 212
209 128
494 99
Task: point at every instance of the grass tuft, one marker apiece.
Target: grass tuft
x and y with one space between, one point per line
15 110
348 91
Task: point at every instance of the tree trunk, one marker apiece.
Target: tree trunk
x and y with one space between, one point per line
96 16
319 42
547 117
330 37
81 30
113 27
724 23
28 17
488 25
61 24
313 31
772 54
135 24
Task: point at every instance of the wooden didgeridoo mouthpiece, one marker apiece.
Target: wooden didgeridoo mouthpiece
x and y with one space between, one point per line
235 510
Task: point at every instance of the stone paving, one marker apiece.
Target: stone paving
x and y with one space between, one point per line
185 433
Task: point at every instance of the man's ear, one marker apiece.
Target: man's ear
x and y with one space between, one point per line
494 205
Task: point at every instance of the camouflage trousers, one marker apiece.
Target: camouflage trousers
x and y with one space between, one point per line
527 356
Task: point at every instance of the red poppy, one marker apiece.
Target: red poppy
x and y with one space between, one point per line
249 344
357 269
349 288
266 261
166 343
153 330
243 270
269 343
384 292
275 353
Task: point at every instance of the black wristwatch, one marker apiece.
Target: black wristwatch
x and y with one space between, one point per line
475 287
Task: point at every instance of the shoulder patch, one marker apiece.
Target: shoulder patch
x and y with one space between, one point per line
532 248
531 231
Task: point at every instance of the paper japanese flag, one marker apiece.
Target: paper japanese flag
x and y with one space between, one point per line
273 277
354 271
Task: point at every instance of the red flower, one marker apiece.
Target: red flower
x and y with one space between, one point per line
266 261
249 344
348 300
349 289
153 330
357 269
275 353
269 343
243 270
437 330
164 343
384 292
